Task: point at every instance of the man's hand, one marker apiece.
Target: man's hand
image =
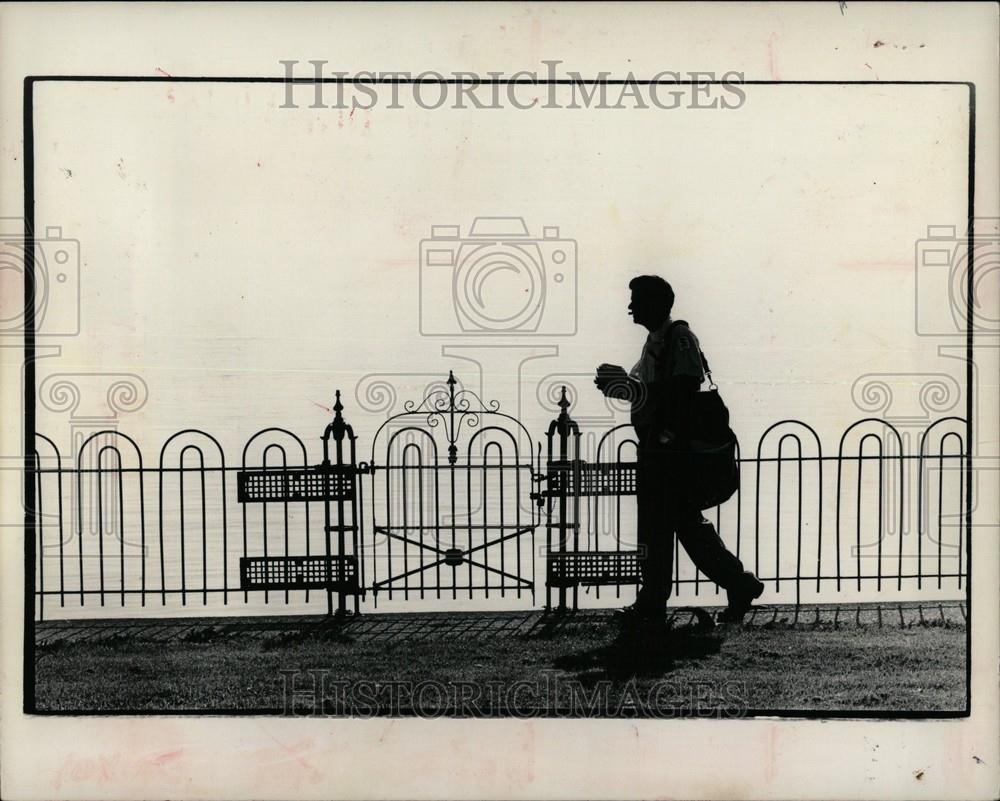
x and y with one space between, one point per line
613 381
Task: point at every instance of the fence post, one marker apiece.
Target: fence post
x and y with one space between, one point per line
559 483
338 429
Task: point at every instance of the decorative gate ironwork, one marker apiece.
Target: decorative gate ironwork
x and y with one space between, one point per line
334 484
452 514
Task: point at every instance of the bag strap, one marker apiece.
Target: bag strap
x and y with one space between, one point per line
704 361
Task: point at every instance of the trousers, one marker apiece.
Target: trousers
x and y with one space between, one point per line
661 515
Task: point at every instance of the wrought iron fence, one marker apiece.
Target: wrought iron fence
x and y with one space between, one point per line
455 519
450 504
868 518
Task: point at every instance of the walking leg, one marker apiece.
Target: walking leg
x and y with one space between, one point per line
706 548
719 564
655 533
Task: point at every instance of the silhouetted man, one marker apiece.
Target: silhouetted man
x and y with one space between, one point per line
661 388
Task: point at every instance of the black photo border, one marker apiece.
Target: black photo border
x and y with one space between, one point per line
29 697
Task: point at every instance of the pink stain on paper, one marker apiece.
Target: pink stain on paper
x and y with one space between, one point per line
167 757
115 767
291 754
772 751
100 769
772 62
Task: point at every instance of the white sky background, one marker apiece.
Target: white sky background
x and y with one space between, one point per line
246 260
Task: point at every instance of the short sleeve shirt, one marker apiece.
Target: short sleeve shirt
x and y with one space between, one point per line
663 356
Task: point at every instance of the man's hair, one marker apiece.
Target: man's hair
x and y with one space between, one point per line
654 288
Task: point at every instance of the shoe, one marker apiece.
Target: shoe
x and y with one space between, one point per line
741 599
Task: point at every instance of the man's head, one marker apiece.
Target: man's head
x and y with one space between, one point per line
652 300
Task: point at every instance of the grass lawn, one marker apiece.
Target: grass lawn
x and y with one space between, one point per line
513 664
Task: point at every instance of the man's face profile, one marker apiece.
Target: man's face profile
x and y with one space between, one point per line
638 307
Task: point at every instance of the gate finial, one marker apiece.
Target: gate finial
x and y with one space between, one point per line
563 423
563 402
452 448
338 426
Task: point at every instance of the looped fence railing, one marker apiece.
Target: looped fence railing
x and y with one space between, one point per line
453 493
897 517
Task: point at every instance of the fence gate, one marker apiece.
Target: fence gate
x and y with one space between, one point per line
333 483
452 513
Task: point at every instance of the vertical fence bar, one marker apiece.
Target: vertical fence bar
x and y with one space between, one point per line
163 569
940 511
359 531
857 553
819 534
355 481
880 466
284 513
121 535
798 539
142 531
404 474
535 512
243 510
183 516
453 511
388 528
100 520
420 518
905 477
204 532
962 488
756 517
62 571
837 515
564 480
920 515
777 523
468 518
225 531
577 491
437 523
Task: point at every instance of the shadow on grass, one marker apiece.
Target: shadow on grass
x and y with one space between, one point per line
648 650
